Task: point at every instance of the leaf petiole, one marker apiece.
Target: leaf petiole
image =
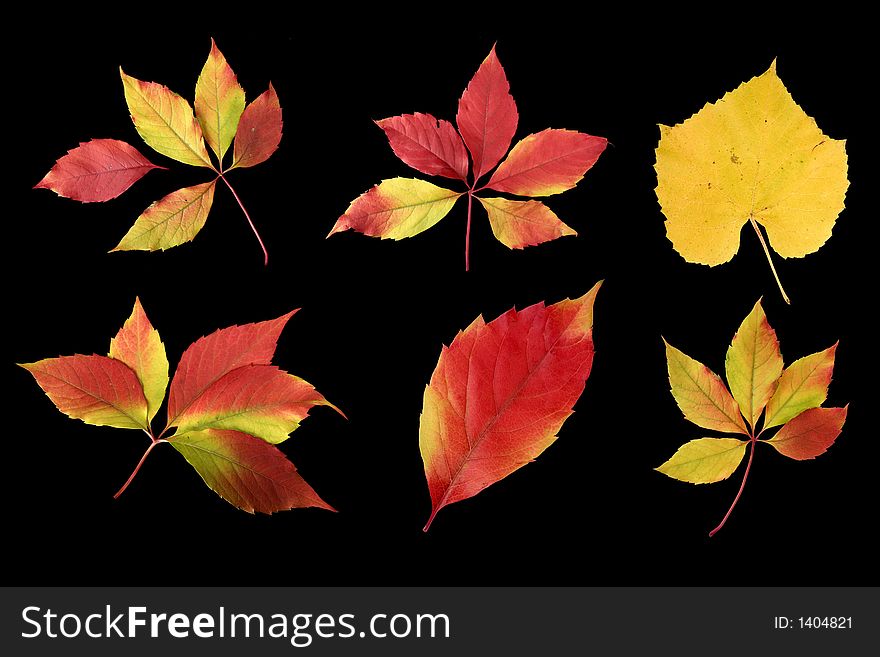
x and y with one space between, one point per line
741 487
153 443
248 217
467 234
769 259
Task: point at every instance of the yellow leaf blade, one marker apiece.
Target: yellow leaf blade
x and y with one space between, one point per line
753 154
753 364
705 460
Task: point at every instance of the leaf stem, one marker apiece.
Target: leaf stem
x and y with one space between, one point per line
248 217
137 468
467 234
769 259
741 487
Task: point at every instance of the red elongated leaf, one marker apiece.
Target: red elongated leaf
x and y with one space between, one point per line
487 115
518 224
810 434
95 389
209 358
260 400
96 171
171 221
500 393
246 471
549 162
426 144
259 130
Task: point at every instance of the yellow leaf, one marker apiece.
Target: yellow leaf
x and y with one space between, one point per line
705 460
754 156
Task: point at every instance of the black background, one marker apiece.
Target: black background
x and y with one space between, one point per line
590 510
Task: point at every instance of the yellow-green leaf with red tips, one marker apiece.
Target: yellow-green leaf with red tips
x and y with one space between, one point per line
170 221
701 394
397 208
705 460
165 121
138 345
755 374
518 224
219 102
753 364
803 385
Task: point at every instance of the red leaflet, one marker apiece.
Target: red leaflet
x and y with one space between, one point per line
810 434
95 389
209 358
102 169
227 405
500 394
259 131
546 163
427 145
487 115
246 471
97 170
549 162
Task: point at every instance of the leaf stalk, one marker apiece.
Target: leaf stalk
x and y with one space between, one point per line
250 222
769 259
741 486
137 468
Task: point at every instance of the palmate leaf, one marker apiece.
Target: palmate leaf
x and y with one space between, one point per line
549 162
227 403
754 367
102 169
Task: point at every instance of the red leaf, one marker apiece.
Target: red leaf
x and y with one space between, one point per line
260 400
259 130
549 162
487 115
427 145
210 357
810 434
95 389
500 394
246 471
96 171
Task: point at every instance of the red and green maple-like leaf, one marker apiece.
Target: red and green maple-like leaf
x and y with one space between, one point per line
228 405
759 387
102 169
500 394
549 162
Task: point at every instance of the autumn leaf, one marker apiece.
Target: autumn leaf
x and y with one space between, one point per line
102 169
549 162
500 394
227 404
97 171
758 387
753 156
